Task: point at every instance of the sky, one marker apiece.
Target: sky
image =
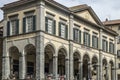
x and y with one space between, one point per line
103 8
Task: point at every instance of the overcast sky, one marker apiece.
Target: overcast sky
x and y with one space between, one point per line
104 8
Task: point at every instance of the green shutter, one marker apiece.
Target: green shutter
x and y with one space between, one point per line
89 39
59 28
66 32
97 42
8 28
79 36
54 27
46 24
110 47
17 26
24 25
84 38
34 23
113 48
93 41
103 44
106 46
73 33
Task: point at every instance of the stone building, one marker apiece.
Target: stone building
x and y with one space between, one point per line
44 39
1 46
115 25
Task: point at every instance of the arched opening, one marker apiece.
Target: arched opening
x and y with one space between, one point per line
30 51
61 62
76 65
94 67
86 71
14 61
49 51
111 69
104 69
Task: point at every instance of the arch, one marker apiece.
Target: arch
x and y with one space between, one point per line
104 61
86 57
29 48
51 44
63 50
51 47
13 49
95 59
111 62
76 52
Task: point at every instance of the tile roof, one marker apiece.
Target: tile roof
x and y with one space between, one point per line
111 22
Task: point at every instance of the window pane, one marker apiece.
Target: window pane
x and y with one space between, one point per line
29 24
50 24
63 30
13 26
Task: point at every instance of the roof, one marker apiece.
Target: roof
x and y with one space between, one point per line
111 22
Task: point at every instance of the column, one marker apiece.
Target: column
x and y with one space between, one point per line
89 71
115 52
71 61
107 75
40 40
113 73
80 70
5 61
67 69
55 67
100 55
97 67
22 67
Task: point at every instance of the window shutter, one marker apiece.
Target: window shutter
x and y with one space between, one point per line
46 24
113 48
73 33
110 47
89 39
34 23
79 36
97 42
103 45
54 27
59 29
92 41
106 46
84 38
17 26
66 32
8 28
24 25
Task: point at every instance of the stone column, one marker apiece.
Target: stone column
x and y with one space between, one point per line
40 40
113 73
71 61
55 67
115 52
22 67
80 70
97 67
67 69
100 55
5 61
89 71
107 75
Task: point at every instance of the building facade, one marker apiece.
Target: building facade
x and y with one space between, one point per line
115 25
46 40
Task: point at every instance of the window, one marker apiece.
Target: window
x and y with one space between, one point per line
15 66
111 47
118 40
29 23
104 45
119 65
86 39
13 27
118 53
50 25
63 30
94 41
76 35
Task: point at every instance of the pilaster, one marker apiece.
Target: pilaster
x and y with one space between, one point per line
67 68
55 67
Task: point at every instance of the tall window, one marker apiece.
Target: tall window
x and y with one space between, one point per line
63 30
76 35
86 39
13 27
94 41
29 23
50 26
104 45
111 47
